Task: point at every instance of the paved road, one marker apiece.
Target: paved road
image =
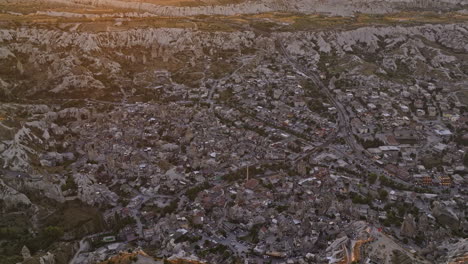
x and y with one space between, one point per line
344 122
360 155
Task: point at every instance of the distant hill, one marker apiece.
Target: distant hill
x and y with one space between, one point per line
233 7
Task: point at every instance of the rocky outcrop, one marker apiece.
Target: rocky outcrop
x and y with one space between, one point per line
46 188
61 254
96 63
445 216
93 193
181 39
16 153
423 223
408 227
48 258
335 252
25 253
332 7
455 252
11 197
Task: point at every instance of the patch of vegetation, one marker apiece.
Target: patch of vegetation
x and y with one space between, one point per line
69 184
383 194
119 222
281 208
226 94
265 26
193 192
77 218
392 184
13 235
187 238
318 98
221 68
432 161
317 21
372 178
359 199
169 209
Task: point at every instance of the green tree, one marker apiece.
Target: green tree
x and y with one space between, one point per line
52 233
372 178
383 194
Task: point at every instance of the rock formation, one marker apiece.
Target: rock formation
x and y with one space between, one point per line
12 197
408 227
332 7
25 253
445 216
48 258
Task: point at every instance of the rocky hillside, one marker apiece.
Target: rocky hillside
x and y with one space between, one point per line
332 7
69 65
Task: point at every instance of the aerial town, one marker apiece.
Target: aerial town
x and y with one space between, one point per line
262 137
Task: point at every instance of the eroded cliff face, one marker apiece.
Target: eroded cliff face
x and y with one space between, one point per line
111 66
332 7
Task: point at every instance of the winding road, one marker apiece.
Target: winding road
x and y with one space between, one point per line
344 122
